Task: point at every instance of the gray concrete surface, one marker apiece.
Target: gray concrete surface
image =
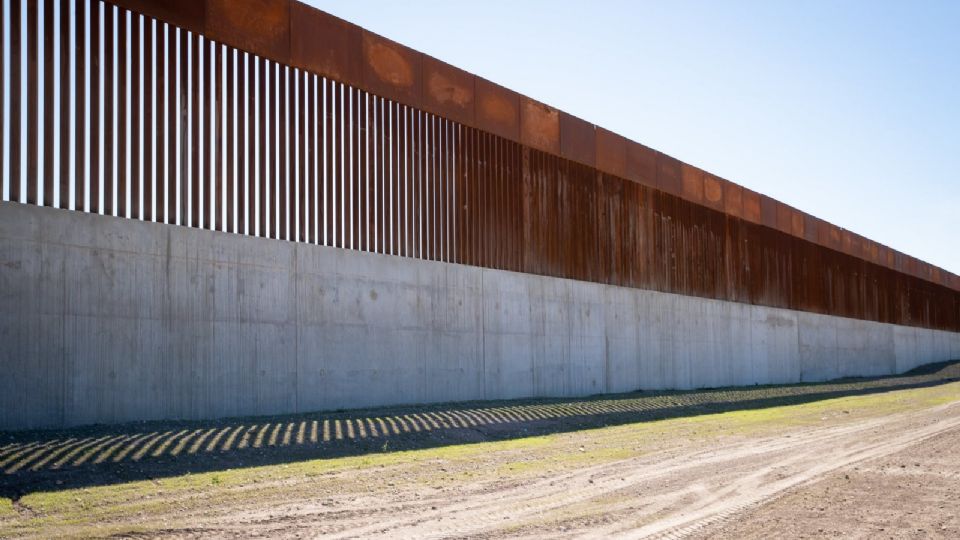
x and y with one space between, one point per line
107 320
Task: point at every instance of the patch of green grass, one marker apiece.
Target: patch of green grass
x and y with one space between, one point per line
6 508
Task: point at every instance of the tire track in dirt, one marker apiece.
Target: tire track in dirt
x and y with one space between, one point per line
727 480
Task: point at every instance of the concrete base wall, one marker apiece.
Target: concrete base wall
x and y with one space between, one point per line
107 320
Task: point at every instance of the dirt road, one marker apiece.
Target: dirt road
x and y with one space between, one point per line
692 491
841 461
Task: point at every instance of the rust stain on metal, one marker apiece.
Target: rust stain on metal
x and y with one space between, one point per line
258 26
447 91
325 44
692 181
539 125
389 65
733 200
187 14
391 70
713 191
497 109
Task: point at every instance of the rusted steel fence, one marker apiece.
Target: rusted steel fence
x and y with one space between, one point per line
272 119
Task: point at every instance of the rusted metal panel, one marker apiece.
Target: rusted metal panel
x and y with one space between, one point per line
539 125
108 147
16 41
331 170
611 152
713 188
194 145
183 113
836 237
300 84
784 218
166 186
65 31
668 174
768 211
94 105
392 182
284 181
448 91
325 44
33 120
435 230
258 26
187 14
148 119
238 137
823 233
497 109
136 119
692 181
48 93
733 200
578 139
356 214
392 70
642 167
252 218
219 173
265 197
64 100
797 223
752 211
846 241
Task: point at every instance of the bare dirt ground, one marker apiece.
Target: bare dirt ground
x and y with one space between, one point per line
880 464
691 490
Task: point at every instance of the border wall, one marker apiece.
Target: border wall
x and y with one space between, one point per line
258 208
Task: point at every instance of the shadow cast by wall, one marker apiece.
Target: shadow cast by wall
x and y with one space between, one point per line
101 455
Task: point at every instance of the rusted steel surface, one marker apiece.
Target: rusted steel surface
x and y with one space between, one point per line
282 121
65 87
325 45
290 32
447 91
497 109
163 179
93 20
3 95
47 35
258 26
108 100
642 168
122 136
149 122
539 125
578 139
611 153
135 118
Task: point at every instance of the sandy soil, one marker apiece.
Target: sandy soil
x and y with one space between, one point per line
885 463
895 476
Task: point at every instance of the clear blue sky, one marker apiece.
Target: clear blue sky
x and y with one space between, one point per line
848 110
